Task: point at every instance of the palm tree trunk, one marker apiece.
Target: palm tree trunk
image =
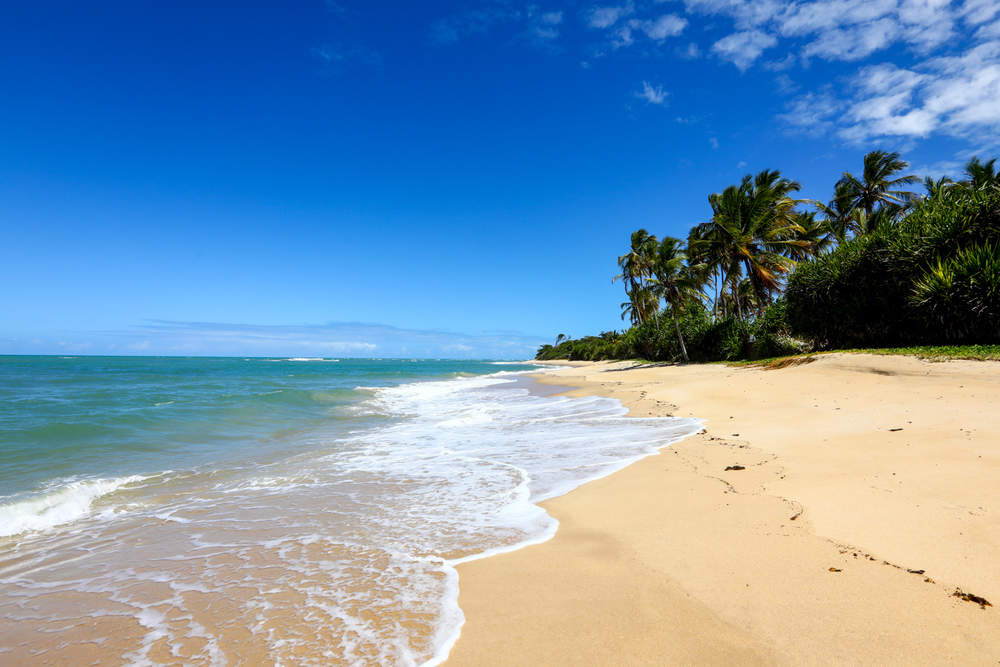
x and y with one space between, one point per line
680 338
715 304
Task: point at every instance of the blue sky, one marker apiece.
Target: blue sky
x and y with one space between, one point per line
458 176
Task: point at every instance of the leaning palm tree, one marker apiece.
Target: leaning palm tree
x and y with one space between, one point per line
752 234
676 282
636 269
878 186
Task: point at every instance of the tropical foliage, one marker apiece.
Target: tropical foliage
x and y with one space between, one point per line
878 264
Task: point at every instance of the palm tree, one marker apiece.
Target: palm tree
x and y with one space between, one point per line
740 301
839 214
675 282
982 174
705 249
877 188
642 302
934 188
752 235
636 266
819 236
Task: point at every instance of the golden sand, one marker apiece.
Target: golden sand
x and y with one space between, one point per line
866 492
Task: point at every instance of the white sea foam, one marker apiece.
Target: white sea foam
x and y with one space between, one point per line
348 548
62 504
489 453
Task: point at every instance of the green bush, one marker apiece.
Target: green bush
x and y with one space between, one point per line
773 335
962 294
588 348
725 340
930 279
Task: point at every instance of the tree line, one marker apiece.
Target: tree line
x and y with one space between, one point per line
768 274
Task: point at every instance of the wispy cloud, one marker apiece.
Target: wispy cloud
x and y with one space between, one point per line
952 95
349 339
652 94
532 23
743 48
335 56
475 20
605 17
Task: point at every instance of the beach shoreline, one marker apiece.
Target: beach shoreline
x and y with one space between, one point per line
829 512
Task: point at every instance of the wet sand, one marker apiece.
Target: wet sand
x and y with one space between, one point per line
866 493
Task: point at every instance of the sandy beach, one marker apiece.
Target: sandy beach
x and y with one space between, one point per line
861 494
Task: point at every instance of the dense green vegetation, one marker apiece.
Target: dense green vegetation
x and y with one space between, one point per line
877 265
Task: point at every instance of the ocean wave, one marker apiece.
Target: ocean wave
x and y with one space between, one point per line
478 455
66 503
348 547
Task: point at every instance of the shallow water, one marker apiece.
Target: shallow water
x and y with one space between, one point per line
244 511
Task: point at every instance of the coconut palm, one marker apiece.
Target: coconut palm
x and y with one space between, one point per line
642 302
817 234
839 214
676 282
705 249
752 234
636 269
740 301
878 187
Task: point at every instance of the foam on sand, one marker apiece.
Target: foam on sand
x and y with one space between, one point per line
63 504
344 552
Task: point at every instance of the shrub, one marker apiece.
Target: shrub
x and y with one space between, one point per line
725 340
932 278
962 294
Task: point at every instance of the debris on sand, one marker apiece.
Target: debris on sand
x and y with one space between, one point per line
969 597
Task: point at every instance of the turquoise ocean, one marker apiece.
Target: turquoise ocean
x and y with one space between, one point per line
275 510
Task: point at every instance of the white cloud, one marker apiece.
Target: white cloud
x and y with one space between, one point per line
652 94
812 113
743 48
854 29
622 37
989 31
808 18
957 96
624 33
605 17
854 43
714 143
691 52
668 25
975 12
747 13
539 27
